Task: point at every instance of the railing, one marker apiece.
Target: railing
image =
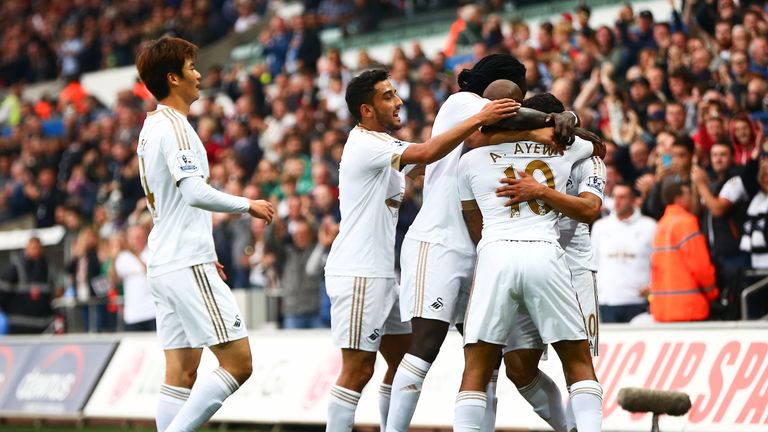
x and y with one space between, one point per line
753 289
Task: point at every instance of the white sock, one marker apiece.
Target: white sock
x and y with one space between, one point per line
545 398
469 411
406 389
385 393
587 401
489 419
342 404
169 403
570 420
205 399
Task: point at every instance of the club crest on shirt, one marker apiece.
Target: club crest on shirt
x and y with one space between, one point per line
597 183
187 162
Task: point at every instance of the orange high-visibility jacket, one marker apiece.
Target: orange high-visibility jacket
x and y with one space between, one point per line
682 275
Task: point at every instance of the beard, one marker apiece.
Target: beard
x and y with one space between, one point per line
388 121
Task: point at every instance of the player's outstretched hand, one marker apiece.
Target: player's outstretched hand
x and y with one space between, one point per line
499 109
262 209
519 189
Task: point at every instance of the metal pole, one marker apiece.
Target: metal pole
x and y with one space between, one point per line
655 425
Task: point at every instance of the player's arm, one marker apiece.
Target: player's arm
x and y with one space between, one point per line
565 123
584 208
199 194
438 146
184 166
492 136
473 218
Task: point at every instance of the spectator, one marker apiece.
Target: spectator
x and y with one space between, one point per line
678 171
682 275
26 291
301 296
327 233
722 228
90 288
130 268
622 245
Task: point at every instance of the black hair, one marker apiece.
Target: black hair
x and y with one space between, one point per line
490 69
623 183
671 190
545 102
361 89
686 142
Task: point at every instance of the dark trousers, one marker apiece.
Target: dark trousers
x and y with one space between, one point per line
621 314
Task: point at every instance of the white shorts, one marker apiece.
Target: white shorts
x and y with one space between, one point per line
195 308
362 310
434 282
525 335
518 278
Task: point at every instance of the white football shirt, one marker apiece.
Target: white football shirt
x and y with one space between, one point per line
371 188
587 175
169 150
440 220
479 174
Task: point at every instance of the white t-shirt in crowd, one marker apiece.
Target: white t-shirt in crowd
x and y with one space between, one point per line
138 302
439 219
169 150
587 175
733 190
622 250
479 174
371 188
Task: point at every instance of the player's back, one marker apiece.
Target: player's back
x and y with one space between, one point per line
439 219
481 169
169 150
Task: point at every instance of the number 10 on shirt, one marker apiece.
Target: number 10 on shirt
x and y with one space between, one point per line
530 169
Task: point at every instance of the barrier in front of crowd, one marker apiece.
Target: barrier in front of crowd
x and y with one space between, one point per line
722 366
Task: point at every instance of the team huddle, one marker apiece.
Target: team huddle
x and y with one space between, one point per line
500 249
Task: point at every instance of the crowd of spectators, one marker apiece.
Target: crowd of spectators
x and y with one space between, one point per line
677 98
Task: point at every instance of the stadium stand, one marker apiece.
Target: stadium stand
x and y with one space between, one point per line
649 77
273 119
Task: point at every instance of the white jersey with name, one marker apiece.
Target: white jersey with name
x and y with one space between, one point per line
479 174
371 188
439 219
169 150
587 175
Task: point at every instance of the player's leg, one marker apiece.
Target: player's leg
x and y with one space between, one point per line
180 375
393 348
211 318
432 276
536 387
521 357
586 394
487 325
558 316
359 310
181 361
479 362
585 282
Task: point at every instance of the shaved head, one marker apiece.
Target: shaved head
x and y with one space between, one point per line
503 88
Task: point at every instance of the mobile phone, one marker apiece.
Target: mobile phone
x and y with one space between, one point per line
666 160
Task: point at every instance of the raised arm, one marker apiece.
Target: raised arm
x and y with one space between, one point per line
438 146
